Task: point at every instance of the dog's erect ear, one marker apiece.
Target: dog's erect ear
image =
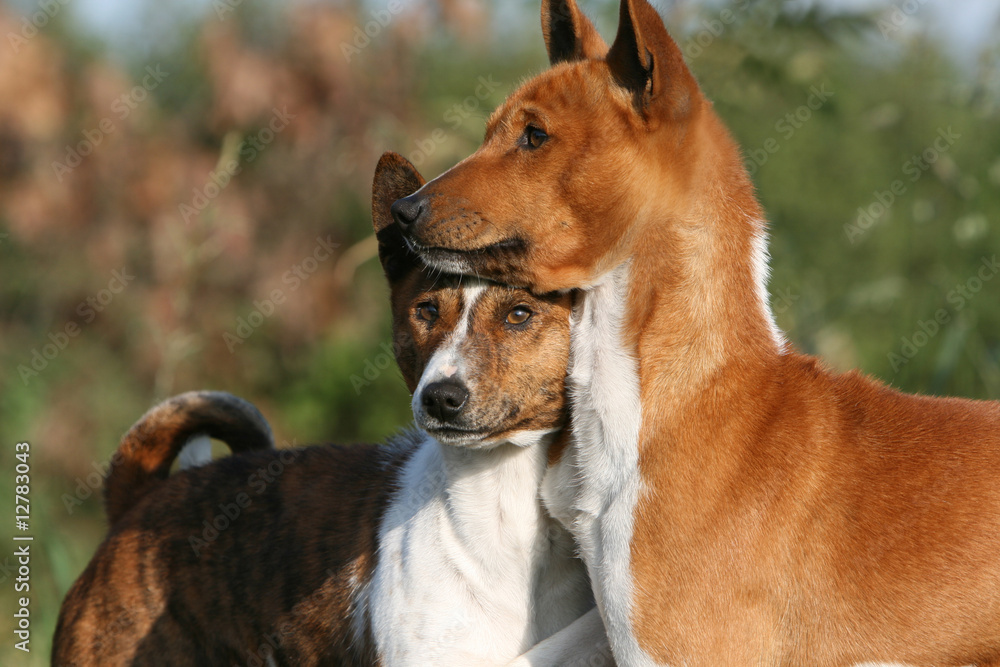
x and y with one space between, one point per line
569 35
395 177
646 60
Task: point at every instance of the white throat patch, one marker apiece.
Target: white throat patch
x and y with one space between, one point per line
601 466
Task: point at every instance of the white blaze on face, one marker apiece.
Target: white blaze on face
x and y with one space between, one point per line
447 363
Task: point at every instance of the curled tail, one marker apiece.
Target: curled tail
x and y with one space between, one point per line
148 450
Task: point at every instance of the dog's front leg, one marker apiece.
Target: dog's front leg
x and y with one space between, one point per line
582 643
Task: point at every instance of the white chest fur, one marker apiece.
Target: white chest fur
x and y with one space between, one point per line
471 570
594 489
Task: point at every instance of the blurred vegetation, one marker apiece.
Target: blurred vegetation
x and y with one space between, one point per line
206 259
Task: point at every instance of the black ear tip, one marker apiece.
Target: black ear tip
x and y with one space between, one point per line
569 34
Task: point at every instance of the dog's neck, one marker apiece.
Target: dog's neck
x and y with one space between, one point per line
467 542
491 498
677 335
697 300
681 327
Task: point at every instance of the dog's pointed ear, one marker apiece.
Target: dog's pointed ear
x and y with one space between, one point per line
646 60
395 177
569 34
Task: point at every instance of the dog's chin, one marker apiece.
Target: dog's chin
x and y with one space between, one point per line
457 262
467 439
494 260
489 438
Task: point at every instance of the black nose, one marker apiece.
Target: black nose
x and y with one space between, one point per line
444 400
408 210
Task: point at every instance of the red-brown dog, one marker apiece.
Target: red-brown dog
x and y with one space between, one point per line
738 503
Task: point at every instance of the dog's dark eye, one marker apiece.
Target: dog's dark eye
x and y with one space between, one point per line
519 315
534 137
427 312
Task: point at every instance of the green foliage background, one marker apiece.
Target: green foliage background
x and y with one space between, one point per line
313 364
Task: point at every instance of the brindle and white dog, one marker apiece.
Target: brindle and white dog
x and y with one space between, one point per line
433 550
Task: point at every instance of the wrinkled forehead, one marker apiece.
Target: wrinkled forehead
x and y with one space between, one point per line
444 286
566 89
475 297
454 289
